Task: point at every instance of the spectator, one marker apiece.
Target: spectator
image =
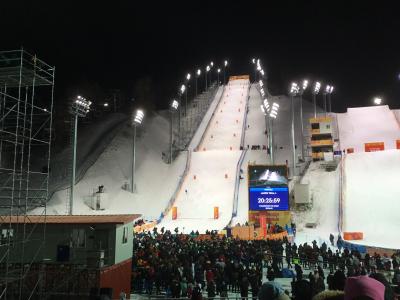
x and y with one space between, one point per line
363 286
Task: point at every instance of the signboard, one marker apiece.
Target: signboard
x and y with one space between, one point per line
371 147
268 188
271 217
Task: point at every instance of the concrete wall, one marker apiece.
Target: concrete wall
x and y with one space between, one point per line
123 251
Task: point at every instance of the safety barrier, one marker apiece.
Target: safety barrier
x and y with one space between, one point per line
237 183
250 233
186 171
178 187
208 124
144 227
245 118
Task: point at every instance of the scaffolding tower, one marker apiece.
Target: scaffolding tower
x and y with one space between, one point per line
26 105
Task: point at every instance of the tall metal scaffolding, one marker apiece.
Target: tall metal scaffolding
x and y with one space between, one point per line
26 105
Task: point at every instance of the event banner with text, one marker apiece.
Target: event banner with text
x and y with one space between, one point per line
268 188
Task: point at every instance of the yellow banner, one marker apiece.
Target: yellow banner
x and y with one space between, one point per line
238 77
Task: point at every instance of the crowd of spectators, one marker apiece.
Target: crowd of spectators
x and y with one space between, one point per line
184 266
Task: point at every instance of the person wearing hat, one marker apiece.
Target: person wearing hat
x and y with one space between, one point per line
270 291
363 286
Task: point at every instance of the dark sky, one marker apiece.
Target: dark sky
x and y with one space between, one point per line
353 46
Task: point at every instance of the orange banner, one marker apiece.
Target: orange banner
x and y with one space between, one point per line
216 212
397 144
371 147
352 236
174 213
239 77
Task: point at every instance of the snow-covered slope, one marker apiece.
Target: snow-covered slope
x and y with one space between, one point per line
211 177
372 197
113 170
368 124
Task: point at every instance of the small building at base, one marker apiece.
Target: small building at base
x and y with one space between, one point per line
82 255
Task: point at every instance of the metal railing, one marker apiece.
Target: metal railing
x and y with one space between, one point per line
237 183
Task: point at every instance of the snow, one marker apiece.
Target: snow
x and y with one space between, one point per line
211 178
368 124
113 169
372 197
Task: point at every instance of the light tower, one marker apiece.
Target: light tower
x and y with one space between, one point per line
294 91
315 92
174 108
225 66
136 121
303 88
79 108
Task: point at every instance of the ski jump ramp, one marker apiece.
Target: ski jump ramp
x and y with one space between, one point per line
371 190
210 181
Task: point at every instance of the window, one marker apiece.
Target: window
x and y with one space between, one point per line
315 126
78 238
125 235
5 235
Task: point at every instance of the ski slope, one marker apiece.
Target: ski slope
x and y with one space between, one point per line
368 124
211 177
372 197
155 180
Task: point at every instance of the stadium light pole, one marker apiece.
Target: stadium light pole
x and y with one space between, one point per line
174 108
207 70
255 70
211 65
198 75
324 94
188 76
218 71
315 92
79 108
136 121
294 90
329 98
272 115
225 66
303 88
182 90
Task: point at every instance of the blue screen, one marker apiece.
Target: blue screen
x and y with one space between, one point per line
269 198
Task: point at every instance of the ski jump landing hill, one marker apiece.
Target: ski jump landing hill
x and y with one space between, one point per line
210 180
371 182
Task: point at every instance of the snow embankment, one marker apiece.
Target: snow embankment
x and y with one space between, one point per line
368 125
372 197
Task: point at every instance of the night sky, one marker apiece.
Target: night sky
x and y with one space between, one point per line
353 46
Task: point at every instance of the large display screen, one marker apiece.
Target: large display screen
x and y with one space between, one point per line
268 188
